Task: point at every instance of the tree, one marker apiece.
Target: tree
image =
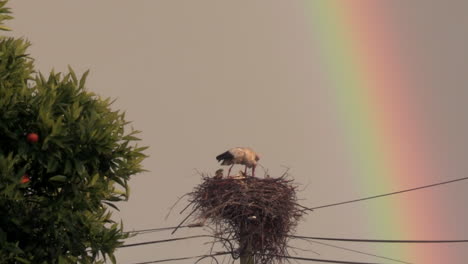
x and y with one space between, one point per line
65 159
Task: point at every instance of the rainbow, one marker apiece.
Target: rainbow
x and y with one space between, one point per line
382 124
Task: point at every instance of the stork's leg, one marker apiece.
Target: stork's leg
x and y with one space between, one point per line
245 171
253 171
229 171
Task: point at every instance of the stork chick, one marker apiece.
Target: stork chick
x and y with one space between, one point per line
239 155
219 174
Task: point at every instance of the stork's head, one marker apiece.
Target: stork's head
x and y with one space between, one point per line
255 161
257 157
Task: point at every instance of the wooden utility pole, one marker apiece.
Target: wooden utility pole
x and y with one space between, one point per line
247 256
247 260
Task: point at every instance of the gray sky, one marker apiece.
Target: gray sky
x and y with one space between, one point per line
198 77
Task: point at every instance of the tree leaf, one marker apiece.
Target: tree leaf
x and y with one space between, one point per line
5 28
58 178
112 205
22 260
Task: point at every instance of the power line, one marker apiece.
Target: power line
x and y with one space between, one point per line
381 240
162 241
310 238
287 257
357 251
387 194
151 230
184 258
324 260
164 260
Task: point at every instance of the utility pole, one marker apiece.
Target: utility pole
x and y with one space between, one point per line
249 259
247 256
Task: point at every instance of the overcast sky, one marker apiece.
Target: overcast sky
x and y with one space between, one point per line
199 77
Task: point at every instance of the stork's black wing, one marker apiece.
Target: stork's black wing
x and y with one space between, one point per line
225 156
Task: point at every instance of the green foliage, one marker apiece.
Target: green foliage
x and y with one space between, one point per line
4 15
79 167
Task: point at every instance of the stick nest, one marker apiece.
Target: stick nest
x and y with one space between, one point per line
257 214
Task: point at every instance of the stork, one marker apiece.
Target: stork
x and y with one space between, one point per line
219 174
239 155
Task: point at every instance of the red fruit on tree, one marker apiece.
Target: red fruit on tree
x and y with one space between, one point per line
32 138
25 179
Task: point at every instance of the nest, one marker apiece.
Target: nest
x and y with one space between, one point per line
257 214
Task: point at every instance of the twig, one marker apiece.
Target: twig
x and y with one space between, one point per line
185 219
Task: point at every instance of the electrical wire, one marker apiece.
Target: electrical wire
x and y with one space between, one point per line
382 240
184 258
358 240
152 230
205 256
286 257
386 194
162 241
324 260
357 251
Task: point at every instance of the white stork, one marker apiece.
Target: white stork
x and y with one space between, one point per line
244 156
